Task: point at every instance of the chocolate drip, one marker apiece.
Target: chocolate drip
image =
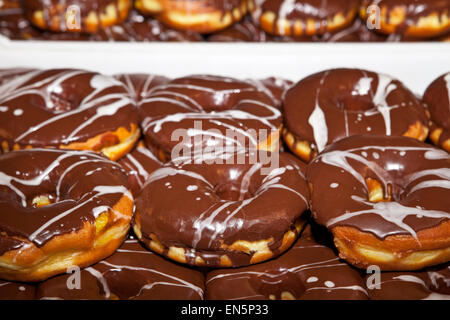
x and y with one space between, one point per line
437 98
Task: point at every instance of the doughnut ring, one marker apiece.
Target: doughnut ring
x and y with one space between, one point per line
437 98
204 16
75 15
211 110
67 109
59 209
304 17
337 103
132 272
307 271
225 214
419 18
388 201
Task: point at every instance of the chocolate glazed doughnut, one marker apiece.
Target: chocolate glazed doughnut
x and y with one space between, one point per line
437 98
430 284
388 201
59 209
304 17
226 111
410 18
204 16
307 271
225 215
132 272
76 15
337 103
67 109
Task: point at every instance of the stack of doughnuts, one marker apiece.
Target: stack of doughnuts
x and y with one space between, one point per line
137 186
226 20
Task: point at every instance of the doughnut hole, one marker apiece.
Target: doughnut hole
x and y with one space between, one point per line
377 192
231 192
42 200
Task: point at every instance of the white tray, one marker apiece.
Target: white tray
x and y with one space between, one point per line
416 64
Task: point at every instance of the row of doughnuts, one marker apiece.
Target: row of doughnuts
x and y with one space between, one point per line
225 21
388 190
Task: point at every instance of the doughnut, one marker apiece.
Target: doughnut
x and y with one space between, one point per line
220 214
137 28
437 98
16 291
430 284
139 85
139 164
337 103
213 108
76 15
414 18
307 271
387 201
204 16
59 208
304 17
11 73
67 109
132 272
243 31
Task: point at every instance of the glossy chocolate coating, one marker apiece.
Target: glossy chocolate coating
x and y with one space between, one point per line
437 98
356 32
429 284
417 174
308 271
415 10
132 272
337 103
203 205
139 164
215 103
137 28
61 106
274 87
79 184
140 85
16 291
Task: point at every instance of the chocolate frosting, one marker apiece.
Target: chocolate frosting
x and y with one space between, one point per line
437 98
61 106
13 24
309 271
429 284
221 203
16 291
139 164
274 87
216 103
140 85
415 10
417 173
130 273
337 103
79 184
